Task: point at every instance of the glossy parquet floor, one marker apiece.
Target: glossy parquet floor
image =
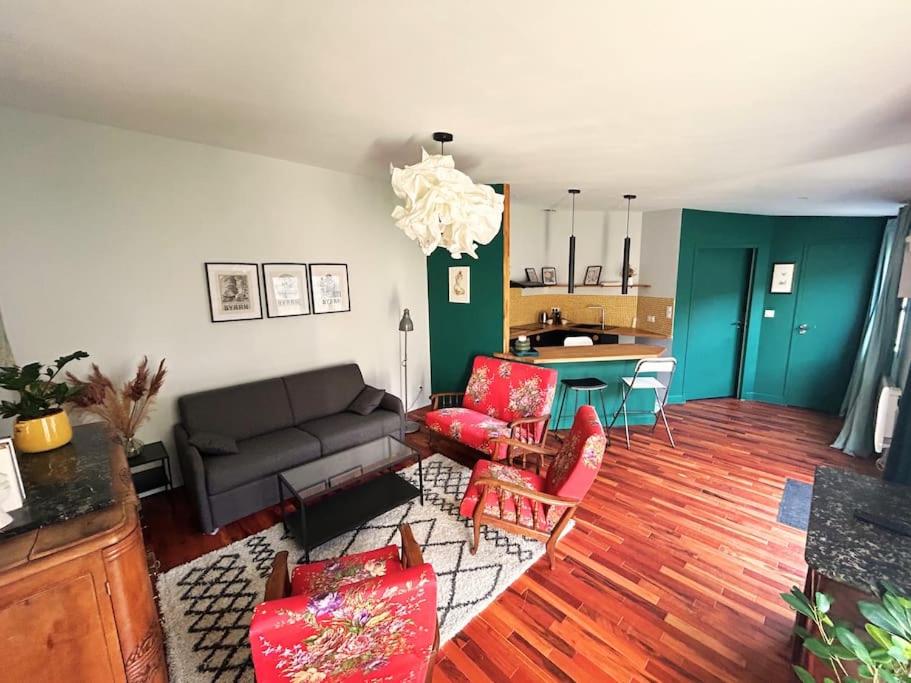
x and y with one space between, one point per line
672 572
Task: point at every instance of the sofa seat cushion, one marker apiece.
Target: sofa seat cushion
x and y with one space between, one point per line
259 457
469 427
344 430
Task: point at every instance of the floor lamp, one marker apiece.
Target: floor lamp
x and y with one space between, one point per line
406 326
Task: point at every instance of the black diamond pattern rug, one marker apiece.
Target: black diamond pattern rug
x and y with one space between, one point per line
206 604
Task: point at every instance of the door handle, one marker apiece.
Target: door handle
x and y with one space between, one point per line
802 328
737 324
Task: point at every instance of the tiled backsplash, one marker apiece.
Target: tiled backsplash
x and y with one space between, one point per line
619 310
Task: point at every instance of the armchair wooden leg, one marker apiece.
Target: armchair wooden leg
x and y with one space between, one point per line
555 536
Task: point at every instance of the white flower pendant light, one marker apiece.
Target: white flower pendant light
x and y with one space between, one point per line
443 207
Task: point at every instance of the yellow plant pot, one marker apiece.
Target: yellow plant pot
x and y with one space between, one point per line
42 433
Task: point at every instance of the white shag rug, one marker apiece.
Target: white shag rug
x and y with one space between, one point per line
206 604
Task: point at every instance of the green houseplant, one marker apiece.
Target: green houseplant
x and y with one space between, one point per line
41 424
882 656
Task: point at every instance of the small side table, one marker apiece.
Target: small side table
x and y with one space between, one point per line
151 478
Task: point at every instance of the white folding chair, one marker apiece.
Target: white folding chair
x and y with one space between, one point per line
578 341
642 379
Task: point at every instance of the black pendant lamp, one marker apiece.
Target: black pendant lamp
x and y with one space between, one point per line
571 287
624 278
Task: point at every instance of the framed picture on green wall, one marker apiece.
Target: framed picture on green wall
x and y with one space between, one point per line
459 285
782 278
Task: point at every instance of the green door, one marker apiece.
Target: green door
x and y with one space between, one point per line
721 285
832 297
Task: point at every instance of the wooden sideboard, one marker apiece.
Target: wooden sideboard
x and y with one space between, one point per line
76 600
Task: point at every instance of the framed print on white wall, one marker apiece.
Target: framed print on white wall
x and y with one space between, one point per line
782 278
460 285
329 287
234 291
287 289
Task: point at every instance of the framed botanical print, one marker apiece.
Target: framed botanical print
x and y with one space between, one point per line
12 492
592 276
549 275
531 274
329 287
782 278
459 285
287 289
234 291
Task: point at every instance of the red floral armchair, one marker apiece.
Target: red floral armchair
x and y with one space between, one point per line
502 399
526 503
362 618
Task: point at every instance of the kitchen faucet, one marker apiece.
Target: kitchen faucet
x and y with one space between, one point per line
601 308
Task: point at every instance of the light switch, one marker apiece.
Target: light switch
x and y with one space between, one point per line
650 318
768 313
669 313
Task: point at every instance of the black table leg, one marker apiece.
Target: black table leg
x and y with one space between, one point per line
421 478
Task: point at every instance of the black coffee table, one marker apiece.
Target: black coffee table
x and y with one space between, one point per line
361 484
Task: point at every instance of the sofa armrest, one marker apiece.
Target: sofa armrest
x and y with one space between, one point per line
194 477
393 404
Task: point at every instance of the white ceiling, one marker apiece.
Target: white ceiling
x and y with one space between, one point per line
775 106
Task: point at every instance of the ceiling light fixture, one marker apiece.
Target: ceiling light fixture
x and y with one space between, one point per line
571 287
443 207
624 278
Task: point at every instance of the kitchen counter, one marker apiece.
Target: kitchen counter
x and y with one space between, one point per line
583 328
850 551
586 354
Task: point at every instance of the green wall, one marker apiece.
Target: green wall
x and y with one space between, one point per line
459 332
774 239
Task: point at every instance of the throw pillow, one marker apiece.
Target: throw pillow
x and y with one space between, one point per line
214 444
367 401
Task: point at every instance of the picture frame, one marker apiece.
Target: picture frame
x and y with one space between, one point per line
234 291
782 278
592 276
329 288
549 275
287 287
12 491
531 275
459 285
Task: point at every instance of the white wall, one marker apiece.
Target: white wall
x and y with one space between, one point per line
660 252
105 233
539 238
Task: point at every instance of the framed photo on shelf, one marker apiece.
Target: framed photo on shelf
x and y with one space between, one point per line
782 278
531 275
233 291
287 289
12 492
592 276
329 289
549 275
459 285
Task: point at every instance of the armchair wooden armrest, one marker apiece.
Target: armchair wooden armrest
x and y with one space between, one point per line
524 448
523 426
278 585
446 399
411 551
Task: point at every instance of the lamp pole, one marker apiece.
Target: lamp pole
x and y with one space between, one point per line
406 326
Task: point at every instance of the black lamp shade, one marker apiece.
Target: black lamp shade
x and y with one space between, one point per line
405 324
624 278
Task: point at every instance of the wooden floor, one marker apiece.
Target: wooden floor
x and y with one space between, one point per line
672 572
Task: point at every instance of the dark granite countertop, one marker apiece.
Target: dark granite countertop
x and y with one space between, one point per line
854 552
65 482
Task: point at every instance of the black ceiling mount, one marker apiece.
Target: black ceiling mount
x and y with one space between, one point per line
629 196
574 191
442 137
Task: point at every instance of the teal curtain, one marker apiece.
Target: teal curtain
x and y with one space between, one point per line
876 353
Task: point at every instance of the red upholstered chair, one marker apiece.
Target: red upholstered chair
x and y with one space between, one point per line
362 618
526 503
502 399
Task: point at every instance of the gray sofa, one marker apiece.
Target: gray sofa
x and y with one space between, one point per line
277 423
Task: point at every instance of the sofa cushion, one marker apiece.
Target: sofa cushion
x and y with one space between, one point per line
470 428
241 411
367 401
213 444
318 393
260 456
344 430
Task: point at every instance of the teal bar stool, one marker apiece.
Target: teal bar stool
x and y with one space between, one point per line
642 380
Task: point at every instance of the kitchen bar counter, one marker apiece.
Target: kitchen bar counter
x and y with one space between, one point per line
537 328
548 355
